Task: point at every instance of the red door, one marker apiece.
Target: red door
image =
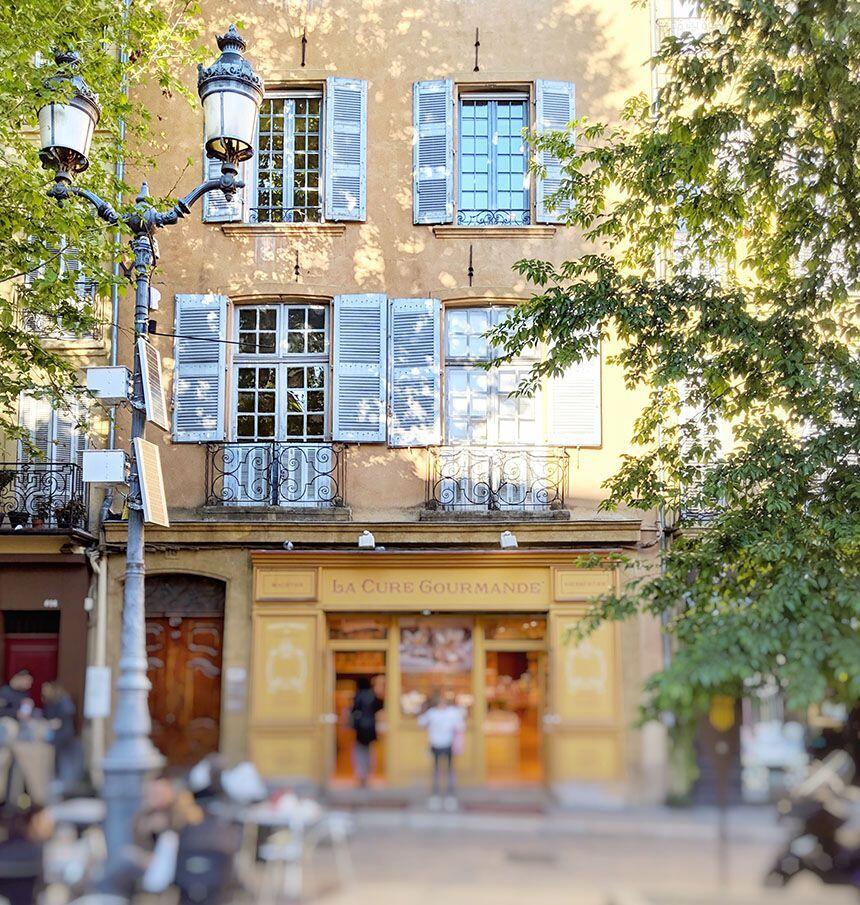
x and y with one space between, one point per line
184 656
36 652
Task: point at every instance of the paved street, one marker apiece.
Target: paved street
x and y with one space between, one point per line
512 861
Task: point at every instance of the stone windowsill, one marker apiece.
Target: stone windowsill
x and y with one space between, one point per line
537 231
293 230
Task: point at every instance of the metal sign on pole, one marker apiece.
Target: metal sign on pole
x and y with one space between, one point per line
153 385
151 482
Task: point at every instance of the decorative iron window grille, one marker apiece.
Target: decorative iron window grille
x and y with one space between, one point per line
42 495
462 478
86 294
680 27
275 473
697 506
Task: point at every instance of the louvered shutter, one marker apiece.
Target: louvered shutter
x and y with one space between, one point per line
575 405
359 368
414 392
200 358
433 151
555 108
345 149
216 207
36 416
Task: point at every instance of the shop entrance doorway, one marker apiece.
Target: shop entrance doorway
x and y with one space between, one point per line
350 668
512 737
31 640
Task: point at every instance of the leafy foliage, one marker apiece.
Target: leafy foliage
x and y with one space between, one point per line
741 182
34 283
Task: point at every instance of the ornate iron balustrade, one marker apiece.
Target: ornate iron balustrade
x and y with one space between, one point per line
42 495
680 27
86 292
285 214
463 478
493 218
275 473
695 509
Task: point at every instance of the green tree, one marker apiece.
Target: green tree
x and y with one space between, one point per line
726 218
33 228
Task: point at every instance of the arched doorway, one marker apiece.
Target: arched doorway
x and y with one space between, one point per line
184 636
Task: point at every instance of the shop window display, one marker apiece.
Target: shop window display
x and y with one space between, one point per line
436 655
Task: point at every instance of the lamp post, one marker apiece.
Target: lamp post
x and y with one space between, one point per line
231 93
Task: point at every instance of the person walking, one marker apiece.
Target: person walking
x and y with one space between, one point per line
445 727
16 695
58 709
365 705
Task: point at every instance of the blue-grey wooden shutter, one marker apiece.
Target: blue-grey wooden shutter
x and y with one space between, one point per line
216 207
415 390
433 151
345 149
575 405
358 392
200 362
554 109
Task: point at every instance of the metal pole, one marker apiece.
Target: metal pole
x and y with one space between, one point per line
132 756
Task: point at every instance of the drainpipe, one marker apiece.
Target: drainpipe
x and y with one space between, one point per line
98 562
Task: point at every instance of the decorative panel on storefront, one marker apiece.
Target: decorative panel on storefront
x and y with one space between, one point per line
581 584
585 681
592 756
285 584
284 754
283 668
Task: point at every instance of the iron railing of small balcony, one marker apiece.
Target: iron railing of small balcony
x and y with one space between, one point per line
697 510
275 473
42 495
471 478
680 27
493 218
86 293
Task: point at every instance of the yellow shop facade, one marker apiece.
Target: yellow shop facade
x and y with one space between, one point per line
322 337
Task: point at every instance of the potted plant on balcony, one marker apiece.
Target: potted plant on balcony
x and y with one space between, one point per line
41 511
70 513
7 475
18 517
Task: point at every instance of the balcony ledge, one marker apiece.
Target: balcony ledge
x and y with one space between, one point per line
536 231
292 230
496 515
266 514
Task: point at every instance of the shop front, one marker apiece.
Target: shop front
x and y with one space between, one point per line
493 628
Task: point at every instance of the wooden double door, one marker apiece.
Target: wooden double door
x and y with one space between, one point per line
184 650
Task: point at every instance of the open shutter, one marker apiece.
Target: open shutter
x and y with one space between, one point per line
433 151
36 416
414 394
555 108
345 149
575 405
200 360
359 368
216 207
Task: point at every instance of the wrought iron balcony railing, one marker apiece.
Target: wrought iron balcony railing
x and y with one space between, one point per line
475 478
42 495
493 218
275 473
697 509
680 27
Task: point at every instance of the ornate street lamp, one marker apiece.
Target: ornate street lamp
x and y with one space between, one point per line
231 93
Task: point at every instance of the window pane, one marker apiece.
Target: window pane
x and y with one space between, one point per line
435 657
502 628
358 628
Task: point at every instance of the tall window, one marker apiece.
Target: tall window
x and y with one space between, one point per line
479 409
289 146
493 178
281 373
61 262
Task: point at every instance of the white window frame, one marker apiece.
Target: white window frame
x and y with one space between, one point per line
525 94
253 180
494 378
282 360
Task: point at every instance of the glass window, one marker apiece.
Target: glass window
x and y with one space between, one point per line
493 178
287 397
515 628
435 657
289 146
479 405
357 628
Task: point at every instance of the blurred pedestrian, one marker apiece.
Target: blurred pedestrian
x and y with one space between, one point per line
16 696
446 728
58 709
365 706
26 833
